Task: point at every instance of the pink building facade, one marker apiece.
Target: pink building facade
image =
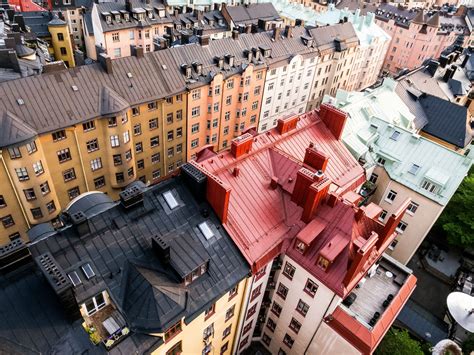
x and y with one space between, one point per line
416 36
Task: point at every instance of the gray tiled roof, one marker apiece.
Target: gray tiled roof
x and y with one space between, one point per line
148 293
252 13
324 36
50 103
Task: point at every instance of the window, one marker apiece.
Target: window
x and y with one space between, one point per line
382 216
391 196
224 348
112 122
51 207
38 168
22 174
69 175
130 172
251 311
119 178
30 194
256 91
153 124
75 279
14 236
300 246
276 309
138 147
229 313
117 159
393 245
44 188
233 292
210 311
59 135
295 325
60 37
170 152
154 141
8 221
373 178
135 111
63 52
96 164
414 169
137 129
88 126
99 182
140 164
64 155
14 152
95 303
36 212
247 327
115 37
381 161
429 186
31 147
176 349
196 94
2 201
195 111
73 193
170 135
302 307
271 324
282 291
92 145
311 287
226 332
402 226
114 141
288 340
155 158
412 207
256 292
289 270
156 174
126 136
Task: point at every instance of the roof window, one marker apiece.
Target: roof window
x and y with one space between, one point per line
87 269
414 169
74 88
170 200
20 102
75 279
206 230
395 135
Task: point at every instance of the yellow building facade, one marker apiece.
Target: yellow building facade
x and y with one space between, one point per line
61 44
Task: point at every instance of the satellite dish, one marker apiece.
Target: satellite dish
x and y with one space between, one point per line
461 307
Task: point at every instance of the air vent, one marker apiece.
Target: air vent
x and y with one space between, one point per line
195 180
55 275
161 248
131 196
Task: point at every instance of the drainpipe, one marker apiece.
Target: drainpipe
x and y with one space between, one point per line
319 325
243 312
80 158
14 190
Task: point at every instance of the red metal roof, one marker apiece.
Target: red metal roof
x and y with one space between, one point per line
363 338
260 218
311 231
334 247
25 5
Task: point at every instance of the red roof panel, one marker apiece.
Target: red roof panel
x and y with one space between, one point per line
311 231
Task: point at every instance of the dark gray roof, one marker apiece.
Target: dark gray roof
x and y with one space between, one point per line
50 103
38 21
14 130
446 120
324 36
457 87
90 203
252 13
147 292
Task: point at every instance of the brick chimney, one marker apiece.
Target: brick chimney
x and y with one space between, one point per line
387 234
364 255
315 159
310 189
287 124
217 193
241 145
334 119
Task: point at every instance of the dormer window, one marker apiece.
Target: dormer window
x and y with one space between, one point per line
126 16
117 18
172 331
195 274
323 263
141 17
161 13
414 169
300 246
108 19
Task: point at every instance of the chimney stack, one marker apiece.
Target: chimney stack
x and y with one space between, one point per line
387 235
288 31
315 159
241 145
465 60
235 34
358 263
317 192
287 124
334 119
106 63
276 33
203 40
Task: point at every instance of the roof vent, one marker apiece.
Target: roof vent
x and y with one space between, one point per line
74 88
12 253
161 248
80 222
129 75
20 102
195 180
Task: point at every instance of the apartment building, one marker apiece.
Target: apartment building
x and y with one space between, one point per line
116 26
382 133
154 273
86 136
252 17
373 45
417 36
72 12
303 267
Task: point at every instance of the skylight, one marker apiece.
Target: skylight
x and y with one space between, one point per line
414 169
129 75
395 135
74 88
88 271
170 200
206 230
20 102
74 277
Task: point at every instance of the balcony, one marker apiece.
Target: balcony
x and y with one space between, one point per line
106 326
367 190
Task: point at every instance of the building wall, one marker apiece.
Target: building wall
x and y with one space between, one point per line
191 336
287 89
73 18
328 341
219 118
320 305
419 223
62 49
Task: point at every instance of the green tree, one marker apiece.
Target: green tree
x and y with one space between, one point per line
398 342
457 219
468 345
